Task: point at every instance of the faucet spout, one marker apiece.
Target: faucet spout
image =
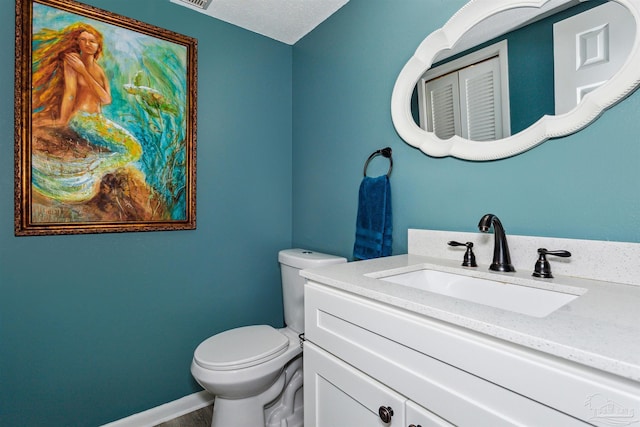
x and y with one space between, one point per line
501 256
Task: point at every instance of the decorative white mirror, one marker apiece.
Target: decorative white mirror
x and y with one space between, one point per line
574 102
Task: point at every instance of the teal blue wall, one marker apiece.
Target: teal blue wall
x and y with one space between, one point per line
580 186
94 328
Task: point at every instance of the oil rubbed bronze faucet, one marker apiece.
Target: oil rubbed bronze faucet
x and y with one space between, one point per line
501 256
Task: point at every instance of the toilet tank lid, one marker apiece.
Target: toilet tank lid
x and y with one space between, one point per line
303 258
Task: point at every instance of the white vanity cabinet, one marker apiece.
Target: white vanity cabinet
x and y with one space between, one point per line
338 394
361 355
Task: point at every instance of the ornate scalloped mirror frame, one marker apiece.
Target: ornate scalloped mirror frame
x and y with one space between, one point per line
592 105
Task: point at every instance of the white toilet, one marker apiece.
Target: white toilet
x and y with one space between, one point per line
255 372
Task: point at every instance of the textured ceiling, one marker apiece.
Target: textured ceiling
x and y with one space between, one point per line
283 20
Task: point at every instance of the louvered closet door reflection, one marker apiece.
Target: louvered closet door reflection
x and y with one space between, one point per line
443 106
467 103
481 110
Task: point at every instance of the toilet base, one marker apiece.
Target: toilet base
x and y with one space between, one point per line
284 398
288 410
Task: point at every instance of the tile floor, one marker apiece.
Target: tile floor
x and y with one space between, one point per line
199 418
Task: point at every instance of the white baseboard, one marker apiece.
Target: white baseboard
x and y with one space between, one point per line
166 412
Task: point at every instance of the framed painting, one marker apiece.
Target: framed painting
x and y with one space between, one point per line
105 122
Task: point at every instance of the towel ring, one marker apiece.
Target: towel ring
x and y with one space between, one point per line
385 152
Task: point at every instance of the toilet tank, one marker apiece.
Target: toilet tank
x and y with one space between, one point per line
291 262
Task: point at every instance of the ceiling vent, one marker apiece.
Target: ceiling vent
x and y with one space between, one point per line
202 4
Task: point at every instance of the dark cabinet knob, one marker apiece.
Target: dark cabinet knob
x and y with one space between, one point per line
413 425
385 413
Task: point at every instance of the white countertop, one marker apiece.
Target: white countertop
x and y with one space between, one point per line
600 329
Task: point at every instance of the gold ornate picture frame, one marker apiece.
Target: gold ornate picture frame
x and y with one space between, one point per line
105 122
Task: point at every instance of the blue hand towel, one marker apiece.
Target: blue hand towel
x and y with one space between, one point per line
374 222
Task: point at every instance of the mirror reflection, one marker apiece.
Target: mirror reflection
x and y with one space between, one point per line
512 69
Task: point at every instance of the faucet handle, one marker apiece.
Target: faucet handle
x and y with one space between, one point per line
469 257
543 268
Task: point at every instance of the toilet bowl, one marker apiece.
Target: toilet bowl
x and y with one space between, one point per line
244 383
255 372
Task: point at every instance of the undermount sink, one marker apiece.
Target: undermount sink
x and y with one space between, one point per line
527 300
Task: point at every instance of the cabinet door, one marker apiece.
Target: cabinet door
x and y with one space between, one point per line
336 394
417 416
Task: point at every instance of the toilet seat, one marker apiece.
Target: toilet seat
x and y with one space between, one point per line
241 348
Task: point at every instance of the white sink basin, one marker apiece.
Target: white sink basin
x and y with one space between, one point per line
520 299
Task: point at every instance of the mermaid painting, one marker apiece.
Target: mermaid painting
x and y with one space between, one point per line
105 122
